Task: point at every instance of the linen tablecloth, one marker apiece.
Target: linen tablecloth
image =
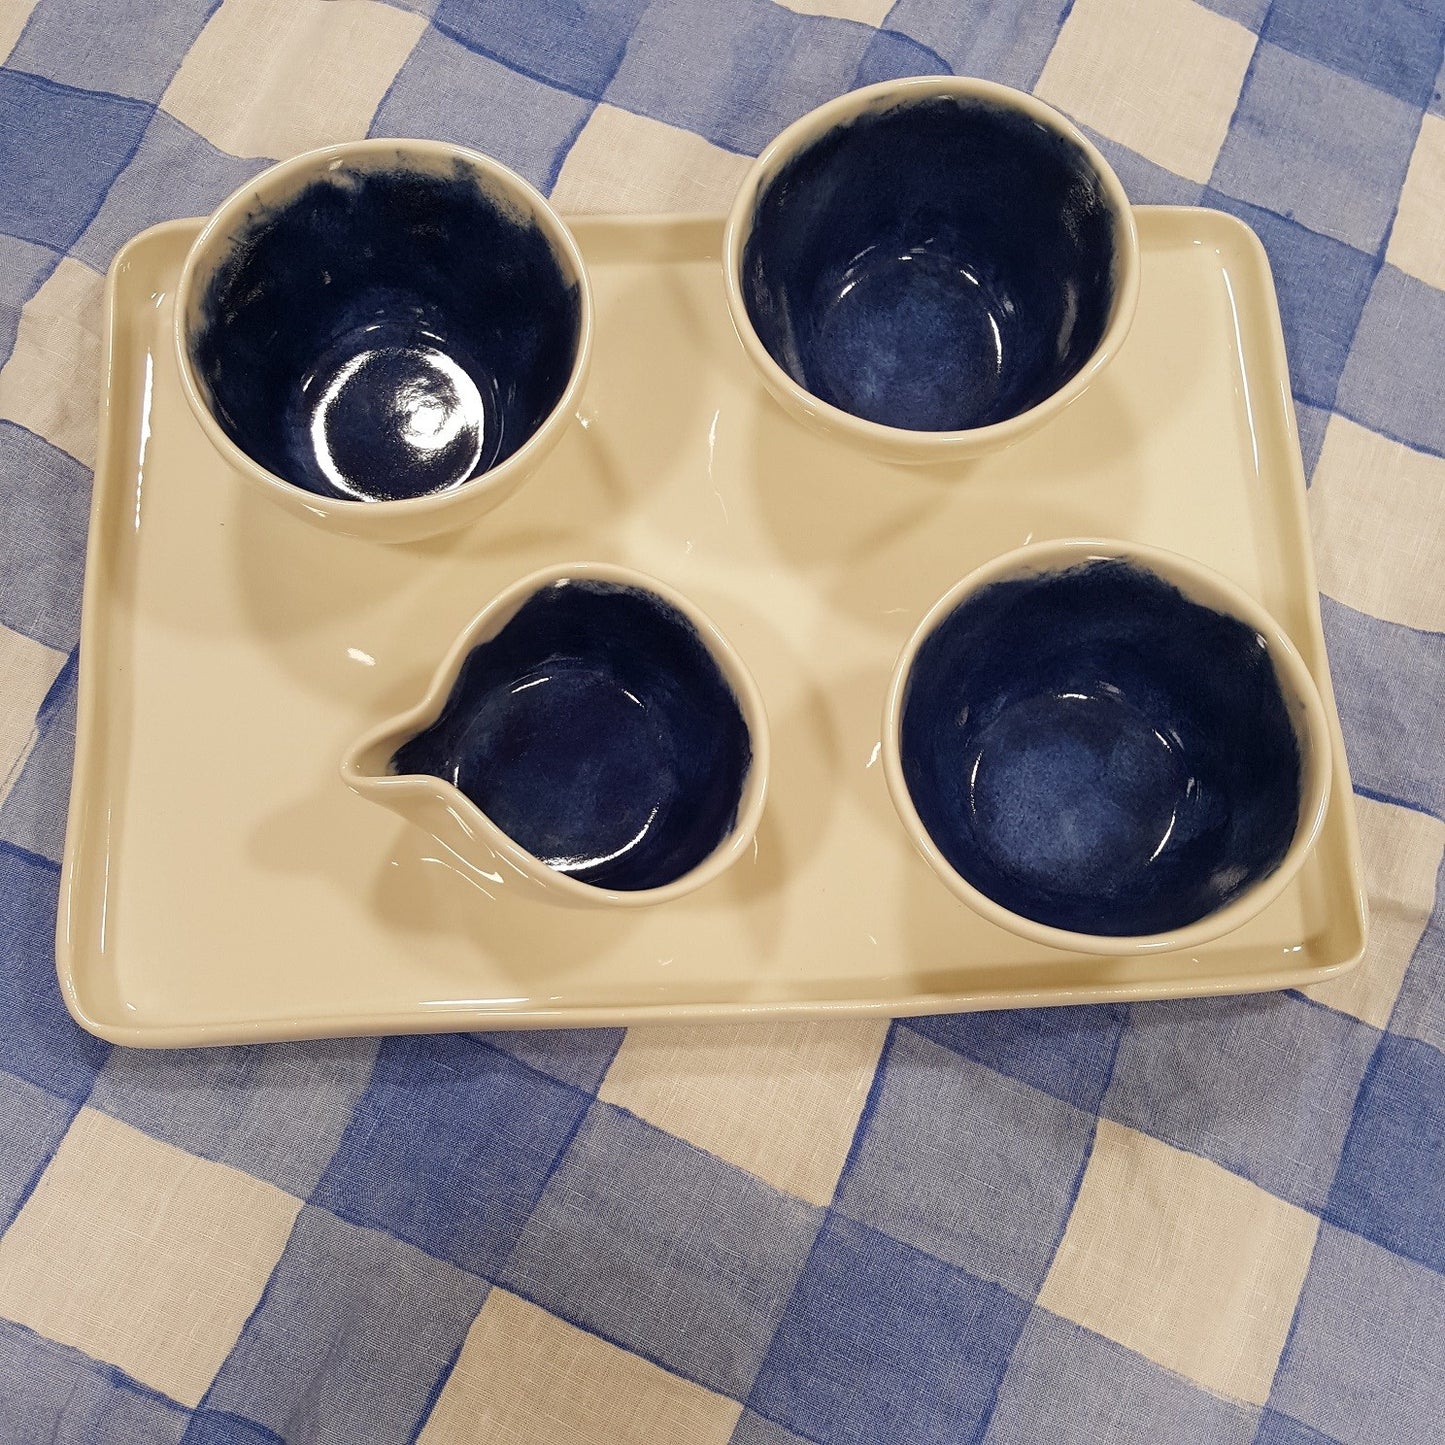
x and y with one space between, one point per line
1217 1221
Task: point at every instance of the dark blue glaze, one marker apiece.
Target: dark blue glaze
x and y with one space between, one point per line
386 334
940 265
597 731
1096 752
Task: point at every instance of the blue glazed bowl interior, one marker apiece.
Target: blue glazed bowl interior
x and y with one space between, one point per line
945 264
1096 752
385 333
598 732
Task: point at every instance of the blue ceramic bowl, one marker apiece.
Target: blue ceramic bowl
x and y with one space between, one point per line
596 732
931 267
1107 748
387 334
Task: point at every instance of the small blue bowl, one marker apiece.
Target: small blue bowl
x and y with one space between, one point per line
931 266
1107 748
386 334
590 729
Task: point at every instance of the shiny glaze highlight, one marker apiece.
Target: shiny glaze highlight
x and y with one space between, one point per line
597 731
1098 753
386 333
945 263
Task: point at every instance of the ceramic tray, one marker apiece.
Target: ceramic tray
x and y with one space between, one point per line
222 885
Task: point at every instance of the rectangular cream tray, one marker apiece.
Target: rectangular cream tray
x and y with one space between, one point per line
221 885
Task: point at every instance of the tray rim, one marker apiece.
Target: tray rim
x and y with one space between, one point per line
90 729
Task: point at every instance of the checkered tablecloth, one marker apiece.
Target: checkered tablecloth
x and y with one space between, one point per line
1216 1222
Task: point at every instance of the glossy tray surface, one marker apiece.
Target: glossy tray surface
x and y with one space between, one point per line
222 885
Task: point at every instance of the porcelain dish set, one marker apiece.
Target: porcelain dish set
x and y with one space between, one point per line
946 638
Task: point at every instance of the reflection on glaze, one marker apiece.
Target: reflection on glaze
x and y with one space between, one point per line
1096 752
597 731
939 265
379 404
386 333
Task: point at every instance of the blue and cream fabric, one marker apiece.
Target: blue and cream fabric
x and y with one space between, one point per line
1217 1221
